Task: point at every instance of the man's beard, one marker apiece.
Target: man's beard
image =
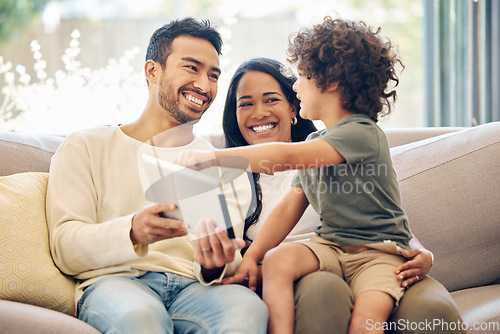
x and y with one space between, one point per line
170 103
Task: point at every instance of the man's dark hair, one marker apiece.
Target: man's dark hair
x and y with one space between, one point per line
159 47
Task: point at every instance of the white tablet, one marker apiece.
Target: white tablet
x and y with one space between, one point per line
197 194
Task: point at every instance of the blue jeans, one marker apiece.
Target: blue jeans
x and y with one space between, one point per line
169 303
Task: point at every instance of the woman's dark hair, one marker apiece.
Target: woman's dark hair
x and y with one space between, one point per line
352 55
232 132
161 40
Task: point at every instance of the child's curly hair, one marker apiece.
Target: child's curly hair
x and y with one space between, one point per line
353 55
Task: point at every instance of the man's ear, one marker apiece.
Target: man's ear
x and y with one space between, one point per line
151 71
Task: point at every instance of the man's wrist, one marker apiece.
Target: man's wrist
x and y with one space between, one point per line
426 251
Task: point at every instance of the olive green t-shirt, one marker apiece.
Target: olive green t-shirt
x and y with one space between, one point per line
358 201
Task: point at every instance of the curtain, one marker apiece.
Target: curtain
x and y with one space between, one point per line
462 62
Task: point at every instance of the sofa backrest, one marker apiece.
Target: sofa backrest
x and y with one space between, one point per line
26 152
23 152
450 192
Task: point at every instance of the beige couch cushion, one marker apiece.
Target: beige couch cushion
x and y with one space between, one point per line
26 152
28 273
480 306
14 320
450 191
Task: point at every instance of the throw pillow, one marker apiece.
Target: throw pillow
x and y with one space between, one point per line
27 272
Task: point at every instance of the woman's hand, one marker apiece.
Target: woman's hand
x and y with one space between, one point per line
247 271
413 270
196 159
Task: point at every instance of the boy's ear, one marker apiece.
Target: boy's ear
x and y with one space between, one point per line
333 87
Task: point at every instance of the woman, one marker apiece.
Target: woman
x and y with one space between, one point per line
261 106
246 122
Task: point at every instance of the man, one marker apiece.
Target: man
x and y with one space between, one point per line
136 269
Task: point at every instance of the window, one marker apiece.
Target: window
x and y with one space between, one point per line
462 62
85 66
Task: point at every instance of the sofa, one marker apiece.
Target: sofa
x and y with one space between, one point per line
450 187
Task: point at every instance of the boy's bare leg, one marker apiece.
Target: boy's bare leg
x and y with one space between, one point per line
281 267
371 309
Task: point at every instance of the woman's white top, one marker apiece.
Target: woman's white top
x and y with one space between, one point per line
274 188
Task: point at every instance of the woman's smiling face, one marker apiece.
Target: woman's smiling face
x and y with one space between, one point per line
262 110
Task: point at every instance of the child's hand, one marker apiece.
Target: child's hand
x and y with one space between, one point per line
197 160
247 271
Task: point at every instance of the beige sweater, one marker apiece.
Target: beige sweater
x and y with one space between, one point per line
94 190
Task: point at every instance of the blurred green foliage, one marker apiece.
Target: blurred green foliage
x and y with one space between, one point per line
16 15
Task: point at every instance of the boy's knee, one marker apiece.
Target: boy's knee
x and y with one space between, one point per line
276 260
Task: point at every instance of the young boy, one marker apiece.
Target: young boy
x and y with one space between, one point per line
345 173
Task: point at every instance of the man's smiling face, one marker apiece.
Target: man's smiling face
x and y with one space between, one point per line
189 81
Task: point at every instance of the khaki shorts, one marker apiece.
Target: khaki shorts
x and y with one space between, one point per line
363 267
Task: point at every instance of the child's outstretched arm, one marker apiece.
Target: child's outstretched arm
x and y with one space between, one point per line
278 225
269 157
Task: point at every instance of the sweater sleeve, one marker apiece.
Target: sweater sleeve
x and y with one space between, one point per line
79 242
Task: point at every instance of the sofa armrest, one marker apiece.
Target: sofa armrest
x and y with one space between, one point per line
22 152
20 318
